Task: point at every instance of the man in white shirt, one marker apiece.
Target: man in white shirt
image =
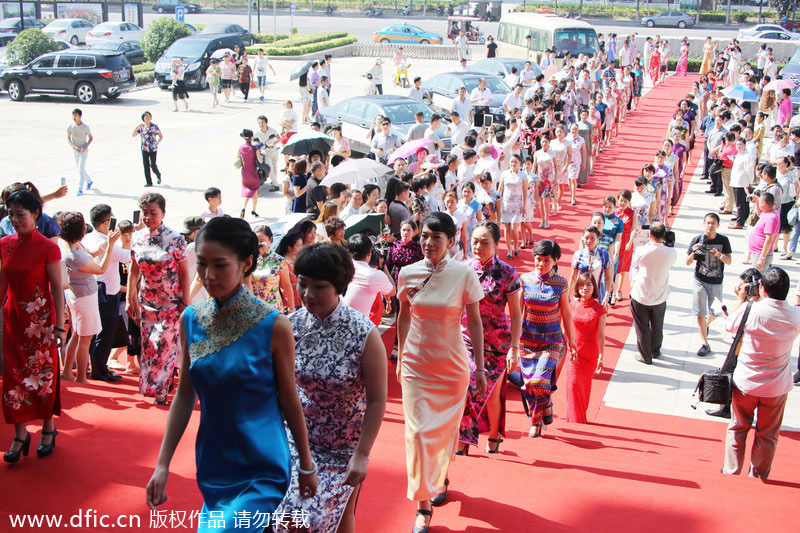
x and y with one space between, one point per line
323 100
384 142
288 118
513 101
375 75
650 277
527 75
270 148
462 105
504 141
462 45
430 133
486 163
625 55
481 98
512 78
260 70
465 170
416 91
367 282
108 291
547 60
762 378
742 174
325 70
457 129
355 200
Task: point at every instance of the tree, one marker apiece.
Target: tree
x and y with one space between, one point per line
784 7
29 45
161 34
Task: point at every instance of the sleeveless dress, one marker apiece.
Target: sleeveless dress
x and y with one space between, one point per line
558 149
434 372
683 61
574 168
513 196
333 394
250 181
585 318
242 451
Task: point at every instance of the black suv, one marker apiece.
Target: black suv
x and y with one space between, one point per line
83 73
12 25
195 51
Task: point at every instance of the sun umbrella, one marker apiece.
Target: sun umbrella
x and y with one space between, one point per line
219 54
370 223
410 148
300 69
304 143
286 225
550 71
355 172
779 85
739 92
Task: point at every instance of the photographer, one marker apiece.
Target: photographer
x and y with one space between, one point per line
763 377
710 252
750 283
367 282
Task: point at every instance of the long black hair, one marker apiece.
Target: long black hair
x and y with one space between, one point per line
235 235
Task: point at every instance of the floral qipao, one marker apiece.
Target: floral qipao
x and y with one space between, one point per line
498 280
330 382
266 279
148 135
158 254
30 355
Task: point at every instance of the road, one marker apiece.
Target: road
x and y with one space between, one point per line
363 27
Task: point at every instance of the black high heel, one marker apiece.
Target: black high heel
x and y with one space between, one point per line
13 457
548 419
241 215
43 450
440 498
423 529
254 213
496 449
463 451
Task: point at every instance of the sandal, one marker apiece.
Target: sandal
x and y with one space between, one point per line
496 449
423 529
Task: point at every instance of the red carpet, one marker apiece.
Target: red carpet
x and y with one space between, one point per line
625 471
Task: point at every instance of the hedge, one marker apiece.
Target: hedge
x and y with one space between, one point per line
143 67
303 49
145 78
298 40
267 38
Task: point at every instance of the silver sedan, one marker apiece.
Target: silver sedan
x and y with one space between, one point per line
672 17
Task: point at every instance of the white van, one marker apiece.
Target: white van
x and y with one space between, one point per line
546 32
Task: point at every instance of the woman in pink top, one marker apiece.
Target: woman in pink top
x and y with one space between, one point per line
785 109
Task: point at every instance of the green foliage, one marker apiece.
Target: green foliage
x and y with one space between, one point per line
303 48
629 12
144 78
297 41
143 67
268 38
160 35
29 45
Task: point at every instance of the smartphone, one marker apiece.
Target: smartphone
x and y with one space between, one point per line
487 120
112 224
63 181
136 215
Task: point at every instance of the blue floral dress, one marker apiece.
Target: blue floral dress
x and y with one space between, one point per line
266 279
330 382
498 280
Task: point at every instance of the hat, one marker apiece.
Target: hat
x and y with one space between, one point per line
379 60
192 223
433 161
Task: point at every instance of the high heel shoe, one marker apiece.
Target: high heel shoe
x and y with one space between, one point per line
463 451
536 431
241 215
423 529
548 419
13 457
43 450
254 213
440 498
496 449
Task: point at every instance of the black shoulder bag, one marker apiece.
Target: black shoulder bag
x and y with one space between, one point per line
716 386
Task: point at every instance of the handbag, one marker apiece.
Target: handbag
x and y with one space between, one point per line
237 163
791 216
716 386
252 84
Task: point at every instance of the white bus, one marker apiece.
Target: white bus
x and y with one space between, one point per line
546 32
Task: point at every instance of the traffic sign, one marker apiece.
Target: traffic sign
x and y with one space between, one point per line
180 13
292 7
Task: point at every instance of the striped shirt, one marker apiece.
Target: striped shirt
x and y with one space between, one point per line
541 312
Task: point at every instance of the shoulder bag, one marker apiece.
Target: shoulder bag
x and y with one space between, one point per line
716 386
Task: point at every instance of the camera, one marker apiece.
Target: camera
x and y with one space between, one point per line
753 288
380 249
669 239
700 253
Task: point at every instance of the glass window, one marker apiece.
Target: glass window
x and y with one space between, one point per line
356 109
574 40
85 62
370 111
44 62
404 113
66 61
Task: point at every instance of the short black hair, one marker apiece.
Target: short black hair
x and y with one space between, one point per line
212 192
548 247
263 229
99 214
78 111
640 180
327 262
26 200
658 230
72 225
712 215
335 160
337 189
359 246
368 188
288 241
776 283
152 198
440 221
492 227
469 154
235 235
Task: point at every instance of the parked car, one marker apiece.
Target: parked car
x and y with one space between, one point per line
217 28
752 31
64 45
72 30
405 33
355 116
12 25
83 73
673 17
120 31
195 51
791 71
776 35
191 28
442 89
501 66
168 6
130 49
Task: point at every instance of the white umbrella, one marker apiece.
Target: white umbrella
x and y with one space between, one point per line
219 54
289 223
355 172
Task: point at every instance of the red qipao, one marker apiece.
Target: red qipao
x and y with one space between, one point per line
655 65
30 355
585 319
